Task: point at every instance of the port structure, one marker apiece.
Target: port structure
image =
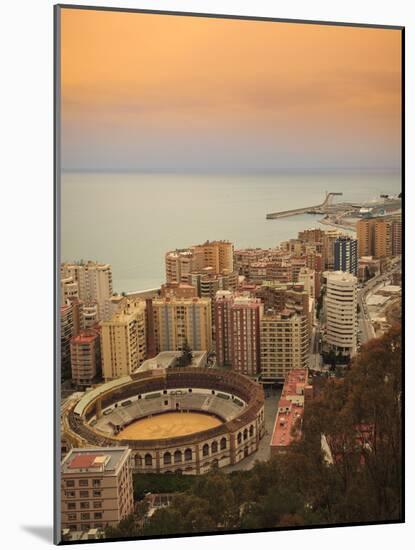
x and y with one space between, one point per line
318 209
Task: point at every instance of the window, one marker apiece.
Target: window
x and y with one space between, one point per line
215 447
177 456
205 450
96 483
188 454
223 443
148 460
167 458
70 494
85 515
98 515
83 483
96 493
251 431
239 437
245 434
84 494
97 504
70 483
71 505
71 516
84 505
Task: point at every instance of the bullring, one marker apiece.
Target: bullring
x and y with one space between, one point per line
233 402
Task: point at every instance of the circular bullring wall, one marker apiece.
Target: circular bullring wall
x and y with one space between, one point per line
234 405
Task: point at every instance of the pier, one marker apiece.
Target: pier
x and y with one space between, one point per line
318 209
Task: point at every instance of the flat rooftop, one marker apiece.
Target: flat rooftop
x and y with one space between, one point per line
165 360
102 460
290 407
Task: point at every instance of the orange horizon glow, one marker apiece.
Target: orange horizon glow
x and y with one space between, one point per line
132 81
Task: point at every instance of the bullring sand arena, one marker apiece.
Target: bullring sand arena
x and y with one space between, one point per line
170 424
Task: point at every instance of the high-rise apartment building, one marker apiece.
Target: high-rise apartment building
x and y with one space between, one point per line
237 337
329 238
179 264
96 488
287 296
69 289
222 307
245 318
94 282
113 304
307 277
379 237
345 255
397 236
178 321
284 344
85 358
365 237
217 256
66 332
341 311
123 340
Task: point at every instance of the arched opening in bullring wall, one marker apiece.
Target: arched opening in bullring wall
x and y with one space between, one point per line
188 455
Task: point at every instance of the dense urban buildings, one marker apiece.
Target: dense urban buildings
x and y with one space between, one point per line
258 316
284 344
341 311
96 488
123 340
215 255
345 255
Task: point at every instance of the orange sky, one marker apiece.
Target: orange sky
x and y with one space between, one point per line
153 84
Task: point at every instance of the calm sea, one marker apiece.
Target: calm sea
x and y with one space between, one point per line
131 220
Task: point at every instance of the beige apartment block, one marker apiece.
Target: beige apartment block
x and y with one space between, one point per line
307 277
96 488
181 320
94 282
179 265
284 344
214 255
123 340
69 289
341 311
379 237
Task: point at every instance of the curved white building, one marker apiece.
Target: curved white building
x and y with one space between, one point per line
341 311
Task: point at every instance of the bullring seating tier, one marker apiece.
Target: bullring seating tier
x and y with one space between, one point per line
121 416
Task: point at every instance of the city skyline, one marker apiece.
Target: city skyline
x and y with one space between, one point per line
225 95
